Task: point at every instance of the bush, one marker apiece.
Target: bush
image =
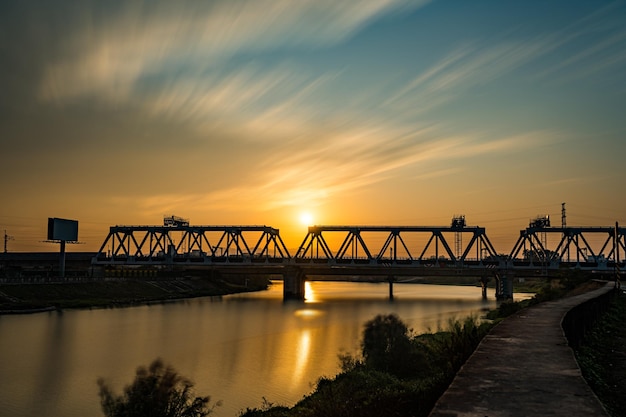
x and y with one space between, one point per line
158 391
397 374
456 344
386 344
363 392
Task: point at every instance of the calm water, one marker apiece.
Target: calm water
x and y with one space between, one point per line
237 349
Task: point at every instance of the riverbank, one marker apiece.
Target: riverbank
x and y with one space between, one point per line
397 373
525 285
32 298
529 359
602 357
361 391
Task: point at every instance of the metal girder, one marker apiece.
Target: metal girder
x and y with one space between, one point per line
401 245
154 244
572 238
354 247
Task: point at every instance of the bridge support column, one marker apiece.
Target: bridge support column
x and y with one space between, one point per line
390 278
504 286
293 283
483 283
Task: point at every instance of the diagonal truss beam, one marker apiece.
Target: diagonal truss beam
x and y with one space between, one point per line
153 243
574 239
156 244
355 247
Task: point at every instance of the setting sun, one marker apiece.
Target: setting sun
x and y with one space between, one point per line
306 218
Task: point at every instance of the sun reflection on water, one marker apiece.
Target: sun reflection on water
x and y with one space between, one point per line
309 293
302 356
308 313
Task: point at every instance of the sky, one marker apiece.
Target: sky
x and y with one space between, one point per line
358 112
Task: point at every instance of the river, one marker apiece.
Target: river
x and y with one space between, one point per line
238 349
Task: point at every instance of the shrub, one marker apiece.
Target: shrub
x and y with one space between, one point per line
363 392
386 346
397 374
158 391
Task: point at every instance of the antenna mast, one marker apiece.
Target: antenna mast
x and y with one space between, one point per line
564 225
458 222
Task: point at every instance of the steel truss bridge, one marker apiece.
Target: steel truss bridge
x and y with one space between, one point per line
150 245
354 248
573 249
389 251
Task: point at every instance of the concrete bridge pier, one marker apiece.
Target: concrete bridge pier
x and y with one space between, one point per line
293 283
390 279
504 285
483 283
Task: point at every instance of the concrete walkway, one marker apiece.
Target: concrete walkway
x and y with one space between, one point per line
522 368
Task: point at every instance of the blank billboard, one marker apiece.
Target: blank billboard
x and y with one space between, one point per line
62 229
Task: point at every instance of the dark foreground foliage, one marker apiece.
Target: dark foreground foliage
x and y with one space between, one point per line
396 374
157 391
602 357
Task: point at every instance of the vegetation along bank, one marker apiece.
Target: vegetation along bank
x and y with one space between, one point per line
24 298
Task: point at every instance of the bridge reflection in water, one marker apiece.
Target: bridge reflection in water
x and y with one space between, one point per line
386 252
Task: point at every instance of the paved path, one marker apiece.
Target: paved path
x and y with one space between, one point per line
522 368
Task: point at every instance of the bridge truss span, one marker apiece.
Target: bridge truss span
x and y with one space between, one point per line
198 244
396 245
583 247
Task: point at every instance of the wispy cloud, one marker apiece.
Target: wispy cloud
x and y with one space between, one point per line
305 174
316 174
591 62
583 50
110 57
176 62
249 99
471 65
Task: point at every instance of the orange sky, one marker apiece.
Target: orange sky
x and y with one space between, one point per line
361 112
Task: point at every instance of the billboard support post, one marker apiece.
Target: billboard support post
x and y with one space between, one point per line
62 260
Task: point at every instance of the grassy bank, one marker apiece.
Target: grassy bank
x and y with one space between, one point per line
602 358
26 297
423 369
396 374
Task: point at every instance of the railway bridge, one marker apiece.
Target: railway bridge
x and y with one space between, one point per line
387 252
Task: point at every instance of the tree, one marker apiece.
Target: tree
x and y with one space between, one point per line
386 345
158 391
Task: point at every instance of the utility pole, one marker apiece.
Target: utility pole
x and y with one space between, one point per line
618 284
564 225
6 239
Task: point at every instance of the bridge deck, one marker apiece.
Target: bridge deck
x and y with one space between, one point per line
524 367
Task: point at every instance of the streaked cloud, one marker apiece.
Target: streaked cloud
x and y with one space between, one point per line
314 176
109 58
589 49
466 68
234 106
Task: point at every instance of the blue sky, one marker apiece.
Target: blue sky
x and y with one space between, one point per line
358 112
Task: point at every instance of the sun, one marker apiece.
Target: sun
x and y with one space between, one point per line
306 218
